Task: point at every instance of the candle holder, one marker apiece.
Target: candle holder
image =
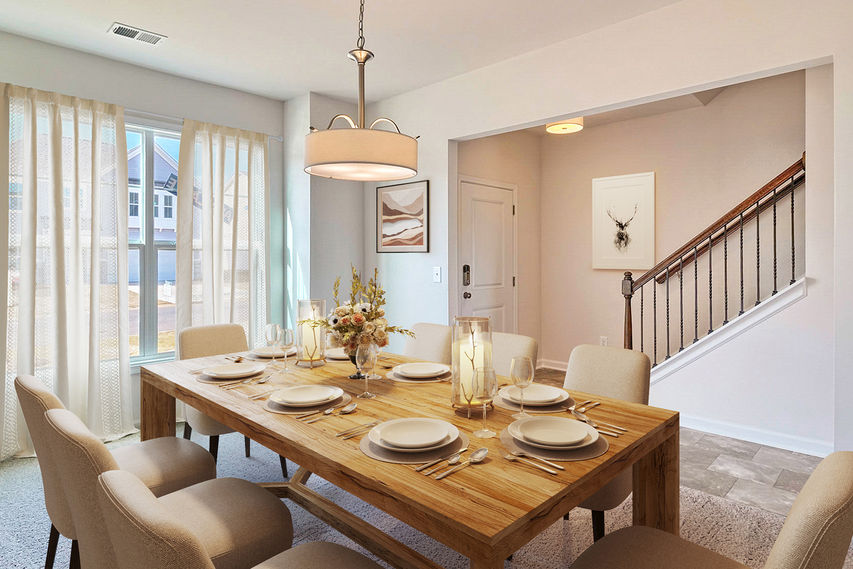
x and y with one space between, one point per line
310 339
471 349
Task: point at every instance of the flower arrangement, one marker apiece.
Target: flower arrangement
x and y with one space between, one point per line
361 319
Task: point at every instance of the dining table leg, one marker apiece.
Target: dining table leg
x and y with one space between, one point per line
487 562
157 413
656 486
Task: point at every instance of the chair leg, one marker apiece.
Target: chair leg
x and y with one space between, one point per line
246 443
597 525
52 542
214 446
188 431
75 556
283 466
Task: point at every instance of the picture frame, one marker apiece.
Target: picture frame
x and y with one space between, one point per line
623 222
402 218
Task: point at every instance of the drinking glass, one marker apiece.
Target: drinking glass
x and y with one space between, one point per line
272 332
365 360
286 344
521 372
487 386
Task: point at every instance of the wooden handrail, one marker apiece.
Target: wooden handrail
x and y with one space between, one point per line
790 172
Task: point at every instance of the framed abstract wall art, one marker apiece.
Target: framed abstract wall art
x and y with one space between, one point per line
623 222
402 218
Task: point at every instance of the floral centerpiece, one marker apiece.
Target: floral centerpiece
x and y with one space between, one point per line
361 319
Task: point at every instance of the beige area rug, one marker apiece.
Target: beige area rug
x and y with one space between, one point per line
744 533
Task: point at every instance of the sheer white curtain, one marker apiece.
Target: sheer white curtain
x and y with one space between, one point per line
63 283
223 191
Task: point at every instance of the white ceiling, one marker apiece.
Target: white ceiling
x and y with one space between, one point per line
282 48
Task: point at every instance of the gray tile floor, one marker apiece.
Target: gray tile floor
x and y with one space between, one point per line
745 472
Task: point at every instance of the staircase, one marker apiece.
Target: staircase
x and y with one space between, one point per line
741 261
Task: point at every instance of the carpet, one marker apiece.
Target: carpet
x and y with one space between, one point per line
744 533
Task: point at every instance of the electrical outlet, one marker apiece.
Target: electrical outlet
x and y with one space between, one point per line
436 274
602 340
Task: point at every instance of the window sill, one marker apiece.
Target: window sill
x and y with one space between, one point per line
138 361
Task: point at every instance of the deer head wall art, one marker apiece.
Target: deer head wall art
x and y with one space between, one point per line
623 222
622 239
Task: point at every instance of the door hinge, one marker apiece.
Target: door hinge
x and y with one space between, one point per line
513 210
513 281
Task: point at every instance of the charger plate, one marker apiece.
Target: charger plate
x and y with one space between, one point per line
594 450
376 452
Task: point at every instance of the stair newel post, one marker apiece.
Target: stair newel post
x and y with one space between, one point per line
628 292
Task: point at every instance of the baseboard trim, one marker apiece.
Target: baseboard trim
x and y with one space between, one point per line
559 365
749 319
805 445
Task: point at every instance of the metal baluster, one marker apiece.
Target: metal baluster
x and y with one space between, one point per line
793 245
667 312
695 295
642 288
774 240
655 321
710 285
757 253
741 264
681 299
726 273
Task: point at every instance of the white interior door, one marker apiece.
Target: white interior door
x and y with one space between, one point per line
486 254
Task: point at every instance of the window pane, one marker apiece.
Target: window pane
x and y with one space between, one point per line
133 299
135 173
166 152
165 301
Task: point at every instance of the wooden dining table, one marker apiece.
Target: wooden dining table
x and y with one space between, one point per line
485 512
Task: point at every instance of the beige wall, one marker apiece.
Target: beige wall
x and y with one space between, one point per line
706 159
514 159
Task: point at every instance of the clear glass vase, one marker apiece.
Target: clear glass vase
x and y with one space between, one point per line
310 340
471 349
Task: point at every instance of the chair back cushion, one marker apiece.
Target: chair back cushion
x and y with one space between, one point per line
144 533
431 343
201 341
80 458
507 346
35 400
612 372
817 532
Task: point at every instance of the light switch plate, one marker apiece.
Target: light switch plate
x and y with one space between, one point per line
436 274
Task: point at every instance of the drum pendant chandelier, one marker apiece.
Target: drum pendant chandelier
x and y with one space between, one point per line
355 152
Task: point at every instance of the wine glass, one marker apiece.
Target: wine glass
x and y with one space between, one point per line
487 386
272 332
365 360
286 344
521 372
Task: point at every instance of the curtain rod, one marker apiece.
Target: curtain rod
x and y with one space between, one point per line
177 120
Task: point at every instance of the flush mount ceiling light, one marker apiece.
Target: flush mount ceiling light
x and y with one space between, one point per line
355 152
567 126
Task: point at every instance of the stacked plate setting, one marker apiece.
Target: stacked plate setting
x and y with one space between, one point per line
273 352
535 395
233 371
336 354
300 396
418 371
553 433
413 435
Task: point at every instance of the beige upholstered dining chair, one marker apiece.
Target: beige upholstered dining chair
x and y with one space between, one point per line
507 346
816 534
612 372
431 343
197 528
212 340
164 464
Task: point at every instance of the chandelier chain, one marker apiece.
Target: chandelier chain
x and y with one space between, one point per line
360 42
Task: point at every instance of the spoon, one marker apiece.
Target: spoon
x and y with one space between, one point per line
477 456
344 411
450 462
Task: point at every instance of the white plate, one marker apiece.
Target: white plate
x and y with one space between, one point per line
375 436
536 394
421 370
306 395
336 354
233 371
273 352
515 431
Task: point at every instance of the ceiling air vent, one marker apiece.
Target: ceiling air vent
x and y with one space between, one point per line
136 33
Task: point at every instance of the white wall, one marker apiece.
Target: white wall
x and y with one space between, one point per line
681 48
513 158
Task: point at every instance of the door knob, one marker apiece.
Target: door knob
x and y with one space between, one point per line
466 295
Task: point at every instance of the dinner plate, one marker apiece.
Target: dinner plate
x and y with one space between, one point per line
233 371
336 354
306 395
554 431
273 352
421 370
536 394
589 438
408 432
